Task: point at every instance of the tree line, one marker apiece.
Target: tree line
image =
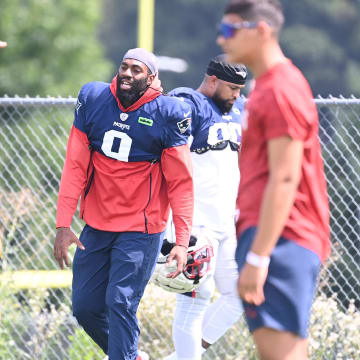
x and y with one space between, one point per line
55 47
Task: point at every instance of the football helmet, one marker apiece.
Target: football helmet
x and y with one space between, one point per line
195 271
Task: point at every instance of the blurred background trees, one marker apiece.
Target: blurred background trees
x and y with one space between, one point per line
322 37
55 47
52 47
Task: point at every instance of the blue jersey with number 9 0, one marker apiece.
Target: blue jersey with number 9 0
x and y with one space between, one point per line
215 142
211 129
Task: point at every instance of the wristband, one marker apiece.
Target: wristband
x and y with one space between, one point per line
257 261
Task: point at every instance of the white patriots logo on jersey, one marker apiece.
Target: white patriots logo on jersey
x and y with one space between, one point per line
124 116
183 125
78 106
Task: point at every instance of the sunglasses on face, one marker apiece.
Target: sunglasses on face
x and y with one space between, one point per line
228 30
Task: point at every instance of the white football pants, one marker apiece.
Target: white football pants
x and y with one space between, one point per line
194 318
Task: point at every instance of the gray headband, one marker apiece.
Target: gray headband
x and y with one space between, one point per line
144 56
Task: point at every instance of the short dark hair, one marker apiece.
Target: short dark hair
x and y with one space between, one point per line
269 11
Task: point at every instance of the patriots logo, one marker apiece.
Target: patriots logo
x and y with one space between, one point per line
183 125
78 106
241 73
124 116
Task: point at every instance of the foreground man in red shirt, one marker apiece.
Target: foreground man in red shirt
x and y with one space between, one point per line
283 226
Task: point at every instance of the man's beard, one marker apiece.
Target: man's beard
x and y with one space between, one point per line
129 97
224 105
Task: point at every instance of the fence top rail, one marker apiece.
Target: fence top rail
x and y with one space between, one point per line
337 101
8 101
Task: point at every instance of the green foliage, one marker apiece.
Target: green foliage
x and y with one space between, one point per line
339 134
33 150
34 328
321 37
33 139
183 29
155 316
352 75
52 47
9 311
82 347
31 328
333 333
29 133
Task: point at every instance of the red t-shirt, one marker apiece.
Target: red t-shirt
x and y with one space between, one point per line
282 104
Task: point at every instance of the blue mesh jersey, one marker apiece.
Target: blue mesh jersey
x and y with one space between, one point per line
211 130
139 135
214 148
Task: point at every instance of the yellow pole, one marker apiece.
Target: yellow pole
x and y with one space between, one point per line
145 35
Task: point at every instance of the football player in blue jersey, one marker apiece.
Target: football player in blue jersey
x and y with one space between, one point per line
128 159
216 111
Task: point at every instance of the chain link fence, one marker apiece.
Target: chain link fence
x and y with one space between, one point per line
35 299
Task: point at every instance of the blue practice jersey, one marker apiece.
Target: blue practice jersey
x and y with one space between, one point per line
128 165
211 129
139 135
216 139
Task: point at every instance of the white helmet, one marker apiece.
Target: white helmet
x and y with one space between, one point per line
195 271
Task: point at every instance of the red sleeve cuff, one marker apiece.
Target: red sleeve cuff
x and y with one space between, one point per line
65 211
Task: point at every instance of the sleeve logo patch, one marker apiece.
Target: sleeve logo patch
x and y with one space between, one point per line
78 106
145 121
183 125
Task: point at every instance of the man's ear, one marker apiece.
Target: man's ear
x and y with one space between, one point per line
151 79
264 29
213 80
156 84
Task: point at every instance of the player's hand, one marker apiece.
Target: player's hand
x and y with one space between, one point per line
251 284
178 253
64 238
3 44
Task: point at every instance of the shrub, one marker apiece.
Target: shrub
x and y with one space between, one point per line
333 333
33 328
82 347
